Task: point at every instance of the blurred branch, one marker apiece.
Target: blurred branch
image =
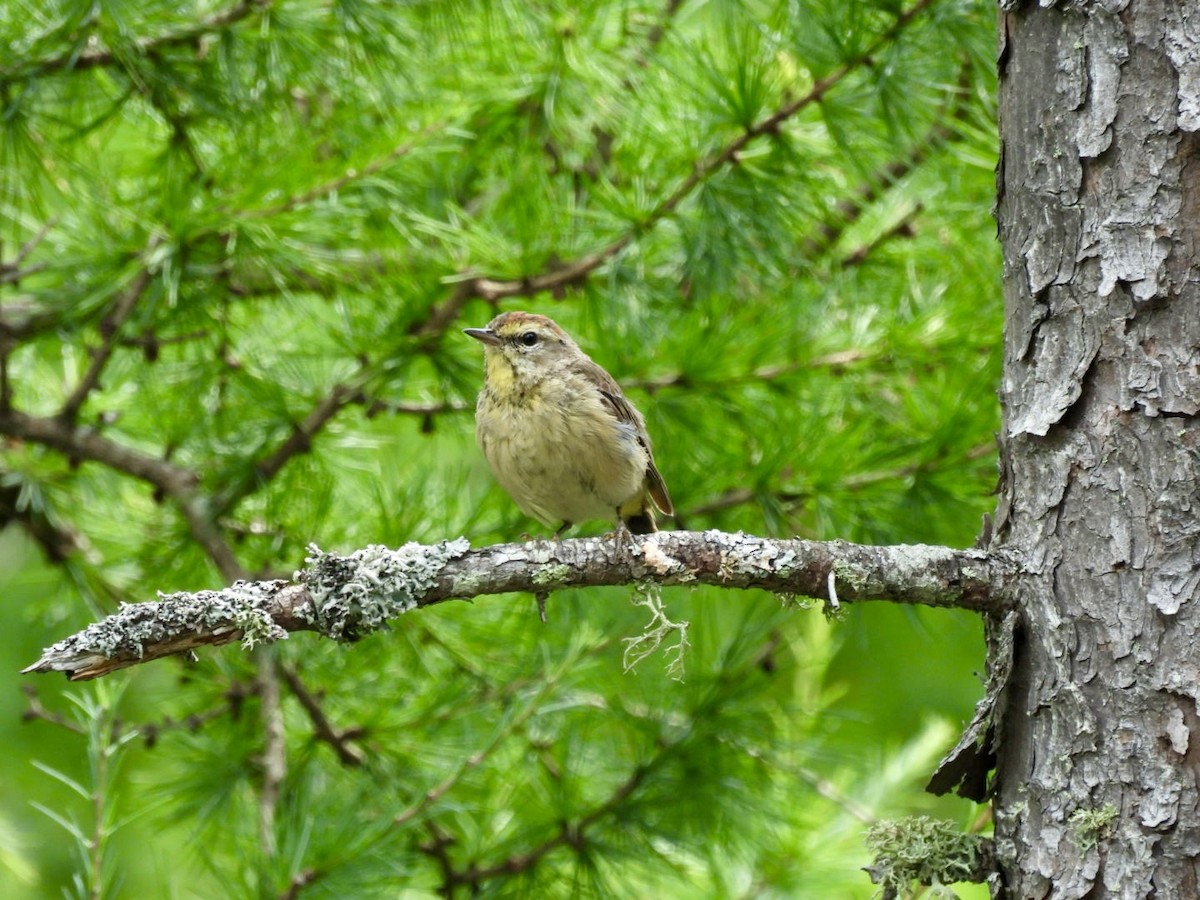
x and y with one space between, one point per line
757 375
571 834
336 184
76 59
299 882
11 272
109 330
739 496
58 542
233 699
561 276
298 441
323 730
274 753
658 31
347 597
506 729
148 731
850 209
902 229
175 482
35 712
417 409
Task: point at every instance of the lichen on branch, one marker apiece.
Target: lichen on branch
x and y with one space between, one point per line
347 597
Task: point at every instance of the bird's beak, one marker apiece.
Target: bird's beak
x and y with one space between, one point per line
484 334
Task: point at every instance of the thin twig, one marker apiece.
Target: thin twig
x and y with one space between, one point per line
473 761
850 209
12 274
34 711
569 833
735 497
347 178
570 274
658 31
74 60
29 246
323 729
58 542
274 754
173 481
297 442
109 330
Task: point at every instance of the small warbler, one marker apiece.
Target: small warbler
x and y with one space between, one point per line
558 432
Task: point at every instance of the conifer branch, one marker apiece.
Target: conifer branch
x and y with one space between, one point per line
298 441
562 276
11 272
572 834
323 730
75 60
740 496
178 483
57 541
347 597
531 707
658 31
109 331
350 176
850 209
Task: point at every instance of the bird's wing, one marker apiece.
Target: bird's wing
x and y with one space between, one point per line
625 413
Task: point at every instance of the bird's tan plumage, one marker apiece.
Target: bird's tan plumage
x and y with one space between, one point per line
558 432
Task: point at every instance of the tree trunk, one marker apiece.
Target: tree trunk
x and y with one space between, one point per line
1099 214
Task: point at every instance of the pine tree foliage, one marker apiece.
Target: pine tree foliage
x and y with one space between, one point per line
237 243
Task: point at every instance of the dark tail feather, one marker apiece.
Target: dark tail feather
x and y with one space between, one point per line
641 523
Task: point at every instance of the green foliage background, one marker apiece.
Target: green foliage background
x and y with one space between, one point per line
242 236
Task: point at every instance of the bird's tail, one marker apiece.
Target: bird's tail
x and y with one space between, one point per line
642 522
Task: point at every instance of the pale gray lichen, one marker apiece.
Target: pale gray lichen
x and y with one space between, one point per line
357 594
243 606
656 631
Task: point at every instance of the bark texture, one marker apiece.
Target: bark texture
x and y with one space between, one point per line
346 597
1099 213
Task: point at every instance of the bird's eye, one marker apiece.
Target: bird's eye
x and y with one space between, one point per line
529 338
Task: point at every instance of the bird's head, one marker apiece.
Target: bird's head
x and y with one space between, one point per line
523 346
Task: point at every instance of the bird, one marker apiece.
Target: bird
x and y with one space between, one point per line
558 432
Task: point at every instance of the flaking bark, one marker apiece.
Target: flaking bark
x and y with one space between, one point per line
1099 215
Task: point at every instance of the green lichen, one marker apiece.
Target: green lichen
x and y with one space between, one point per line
923 851
551 575
791 601
1092 825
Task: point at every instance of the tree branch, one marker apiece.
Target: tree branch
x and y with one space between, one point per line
351 175
564 275
569 833
345 597
850 209
274 752
109 330
323 729
74 60
173 481
58 542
